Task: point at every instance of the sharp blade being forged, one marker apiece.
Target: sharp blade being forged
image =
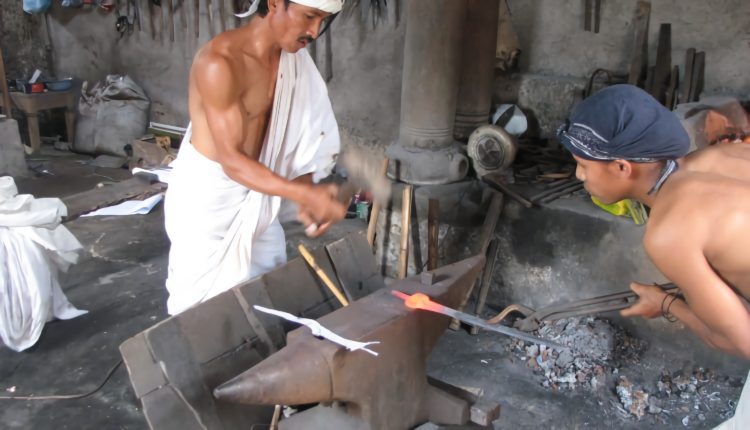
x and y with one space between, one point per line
422 301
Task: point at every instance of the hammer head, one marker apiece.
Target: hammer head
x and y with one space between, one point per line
365 172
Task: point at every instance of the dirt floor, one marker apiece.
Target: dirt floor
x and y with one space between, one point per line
120 281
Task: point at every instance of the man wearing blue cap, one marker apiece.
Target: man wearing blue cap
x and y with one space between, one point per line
628 146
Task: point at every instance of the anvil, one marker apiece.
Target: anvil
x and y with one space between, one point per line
390 391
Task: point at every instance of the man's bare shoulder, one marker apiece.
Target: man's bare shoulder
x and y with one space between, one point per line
726 159
689 206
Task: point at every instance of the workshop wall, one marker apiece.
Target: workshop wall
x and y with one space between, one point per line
21 41
557 56
365 63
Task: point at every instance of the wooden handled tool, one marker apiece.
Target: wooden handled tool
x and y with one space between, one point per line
322 275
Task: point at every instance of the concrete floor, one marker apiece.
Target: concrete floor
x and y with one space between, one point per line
120 280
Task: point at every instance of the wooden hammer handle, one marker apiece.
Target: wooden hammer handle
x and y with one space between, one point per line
322 275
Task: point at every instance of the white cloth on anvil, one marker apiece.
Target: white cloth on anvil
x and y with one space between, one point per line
223 233
34 247
318 330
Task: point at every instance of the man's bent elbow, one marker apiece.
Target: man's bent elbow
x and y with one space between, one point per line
743 350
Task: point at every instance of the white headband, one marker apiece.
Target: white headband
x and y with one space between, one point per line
330 6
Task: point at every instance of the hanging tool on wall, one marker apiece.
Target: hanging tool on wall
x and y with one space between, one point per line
592 15
123 23
170 19
151 19
137 14
197 18
639 55
183 15
222 12
209 8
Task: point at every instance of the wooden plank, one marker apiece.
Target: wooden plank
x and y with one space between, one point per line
376 205
433 227
355 266
663 66
403 257
87 201
688 78
671 94
7 107
639 54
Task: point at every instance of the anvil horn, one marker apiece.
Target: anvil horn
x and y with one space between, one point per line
297 374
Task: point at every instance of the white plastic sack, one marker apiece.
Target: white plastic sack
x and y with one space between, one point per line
111 116
34 248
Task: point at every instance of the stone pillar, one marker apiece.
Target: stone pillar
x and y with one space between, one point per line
477 66
426 152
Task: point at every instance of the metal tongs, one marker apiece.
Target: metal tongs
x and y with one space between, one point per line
606 303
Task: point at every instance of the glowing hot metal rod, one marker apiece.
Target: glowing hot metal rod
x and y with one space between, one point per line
423 302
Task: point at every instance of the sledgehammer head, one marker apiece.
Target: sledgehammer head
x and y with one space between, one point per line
365 172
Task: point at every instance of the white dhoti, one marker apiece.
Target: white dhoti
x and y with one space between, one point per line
223 233
34 247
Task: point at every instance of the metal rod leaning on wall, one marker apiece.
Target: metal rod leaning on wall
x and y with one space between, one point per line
433 225
403 258
197 18
484 288
376 207
485 237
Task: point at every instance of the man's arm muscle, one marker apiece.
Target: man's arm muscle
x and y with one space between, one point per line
224 114
713 310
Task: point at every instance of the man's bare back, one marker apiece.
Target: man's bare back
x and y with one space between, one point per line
710 205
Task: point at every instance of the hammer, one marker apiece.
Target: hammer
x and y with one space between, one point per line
363 172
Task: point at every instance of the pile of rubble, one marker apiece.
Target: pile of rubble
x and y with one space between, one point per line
599 355
596 348
689 396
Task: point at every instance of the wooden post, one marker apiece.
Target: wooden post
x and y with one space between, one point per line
322 275
433 214
376 207
4 87
403 258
